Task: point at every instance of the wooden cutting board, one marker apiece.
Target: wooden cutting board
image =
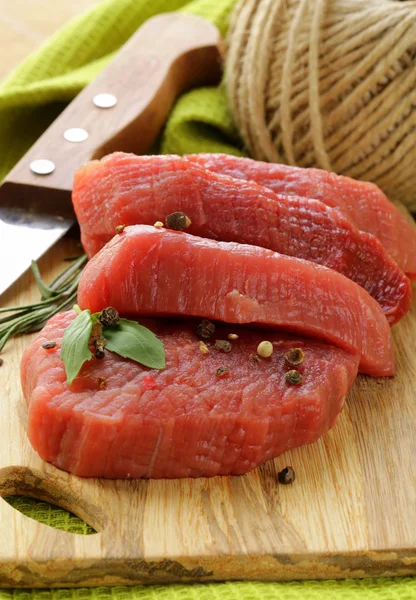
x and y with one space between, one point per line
350 513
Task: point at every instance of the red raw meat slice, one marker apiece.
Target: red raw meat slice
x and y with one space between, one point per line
121 420
129 189
364 202
150 271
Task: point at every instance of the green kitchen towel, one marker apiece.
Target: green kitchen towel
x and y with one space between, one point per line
30 99
34 94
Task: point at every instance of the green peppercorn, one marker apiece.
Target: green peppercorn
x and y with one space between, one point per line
222 372
294 377
223 345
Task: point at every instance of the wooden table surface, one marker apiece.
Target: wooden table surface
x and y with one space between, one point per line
27 23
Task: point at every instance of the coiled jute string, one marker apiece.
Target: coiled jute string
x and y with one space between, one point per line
328 84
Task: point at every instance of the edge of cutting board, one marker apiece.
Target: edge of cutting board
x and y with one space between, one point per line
350 512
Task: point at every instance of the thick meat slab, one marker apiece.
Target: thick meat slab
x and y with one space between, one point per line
129 189
364 202
150 271
121 420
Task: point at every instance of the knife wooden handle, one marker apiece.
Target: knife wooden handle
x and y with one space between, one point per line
169 54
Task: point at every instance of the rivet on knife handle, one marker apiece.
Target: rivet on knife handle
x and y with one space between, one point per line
169 54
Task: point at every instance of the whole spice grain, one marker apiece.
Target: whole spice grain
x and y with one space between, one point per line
265 349
223 372
158 224
203 348
178 221
205 329
286 475
293 377
232 336
223 345
109 317
120 228
295 357
49 345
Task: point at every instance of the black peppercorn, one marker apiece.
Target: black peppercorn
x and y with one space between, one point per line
109 317
49 345
294 377
286 475
178 221
205 329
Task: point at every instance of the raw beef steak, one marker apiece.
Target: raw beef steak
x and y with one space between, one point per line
119 419
128 189
157 272
362 201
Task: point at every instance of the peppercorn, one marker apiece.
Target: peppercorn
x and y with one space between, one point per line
222 372
295 356
120 228
223 345
49 345
205 329
294 377
109 317
286 475
178 221
265 349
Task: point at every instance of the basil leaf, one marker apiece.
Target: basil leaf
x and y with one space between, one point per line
75 344
95 317
131 340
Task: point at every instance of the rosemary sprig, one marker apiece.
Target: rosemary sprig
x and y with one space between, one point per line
58 296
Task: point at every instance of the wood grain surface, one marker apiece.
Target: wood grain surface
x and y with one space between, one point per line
25 24
351 511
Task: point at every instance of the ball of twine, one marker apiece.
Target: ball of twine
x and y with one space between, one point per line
328 84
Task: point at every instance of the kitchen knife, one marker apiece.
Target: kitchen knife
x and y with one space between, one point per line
124 108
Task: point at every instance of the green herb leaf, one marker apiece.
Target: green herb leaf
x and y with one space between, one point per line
131 340
75 344
32 317
46 291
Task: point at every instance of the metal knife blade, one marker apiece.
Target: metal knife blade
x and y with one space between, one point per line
168 55
26 236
